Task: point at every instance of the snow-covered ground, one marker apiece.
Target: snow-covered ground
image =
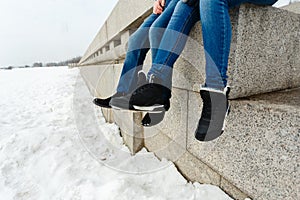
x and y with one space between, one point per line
51 148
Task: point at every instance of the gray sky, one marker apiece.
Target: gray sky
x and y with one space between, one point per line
50 30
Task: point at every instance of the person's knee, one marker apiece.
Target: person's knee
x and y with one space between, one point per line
134 37
135 40
131 43
153 31
155 34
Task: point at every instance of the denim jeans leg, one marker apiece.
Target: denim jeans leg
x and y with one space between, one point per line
173 41
158 28
138 46
216 32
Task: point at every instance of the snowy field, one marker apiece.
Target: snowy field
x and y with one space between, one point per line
51 148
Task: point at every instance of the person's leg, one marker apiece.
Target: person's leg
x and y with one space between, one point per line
173 41
216 31
139 45
158 28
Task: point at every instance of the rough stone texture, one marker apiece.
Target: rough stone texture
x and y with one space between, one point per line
174 126
108 115
267 51
259 150
163 146
131 130
294 7
187 76
174 123
196 170
232 190
190 166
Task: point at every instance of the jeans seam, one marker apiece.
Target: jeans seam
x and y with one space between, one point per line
223 40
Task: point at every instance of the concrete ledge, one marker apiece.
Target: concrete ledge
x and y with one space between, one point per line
267 56
101 80
109 56
258 152
131 129
265 53
115 24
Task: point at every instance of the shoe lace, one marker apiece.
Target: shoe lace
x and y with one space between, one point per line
142 89
152 78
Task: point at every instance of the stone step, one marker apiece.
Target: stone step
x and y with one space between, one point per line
258 154
259 151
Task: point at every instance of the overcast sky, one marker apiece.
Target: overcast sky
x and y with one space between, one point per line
49 30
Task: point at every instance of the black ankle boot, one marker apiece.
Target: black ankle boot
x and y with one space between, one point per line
152 96
121 100
104 103
215 109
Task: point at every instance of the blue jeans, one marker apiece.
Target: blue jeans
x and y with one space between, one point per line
139 45
216 31
165 35
173 41
168 33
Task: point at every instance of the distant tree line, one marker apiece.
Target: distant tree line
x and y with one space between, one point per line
51 64
62 63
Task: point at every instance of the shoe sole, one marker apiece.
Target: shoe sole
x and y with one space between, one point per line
224 123
136 110
155 108
120 108
222 130
101 105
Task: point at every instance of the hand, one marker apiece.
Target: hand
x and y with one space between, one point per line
159 6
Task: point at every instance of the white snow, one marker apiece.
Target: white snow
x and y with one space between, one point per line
281 3
55 144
